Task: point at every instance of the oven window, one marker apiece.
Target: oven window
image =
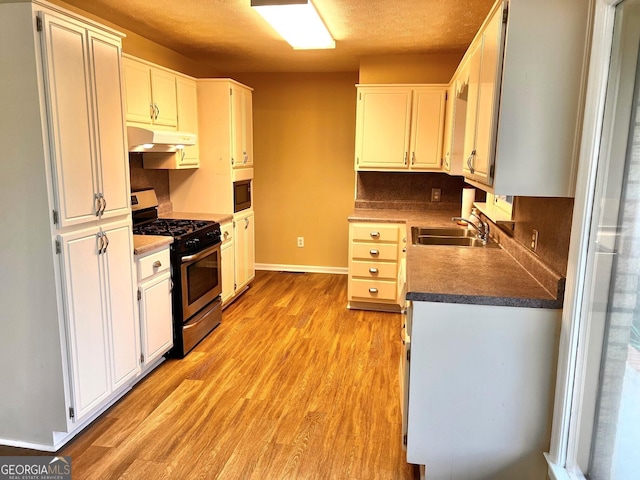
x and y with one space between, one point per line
202 277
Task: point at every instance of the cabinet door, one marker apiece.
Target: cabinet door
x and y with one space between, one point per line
489 82
163 92
427 128
155 317
473 88
228 273
382 128
187 120
447 136
244 250
70 113
120 287
241 127
112 157
137 89
87 325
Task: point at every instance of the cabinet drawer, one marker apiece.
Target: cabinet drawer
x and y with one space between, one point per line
374 270
367 290
226 232
154 263
370 251
375 232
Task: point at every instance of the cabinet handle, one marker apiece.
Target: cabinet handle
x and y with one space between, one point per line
183 155
103 201
100 241
157 264
226 235
413 158
152 112
375 234
405 157
97 204
246 223
106 238
471 169
373 290
373 271
157 109
374 252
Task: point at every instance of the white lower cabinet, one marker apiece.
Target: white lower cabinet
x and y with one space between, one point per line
244 248
376 266
228 263
154 297
103 336
478 389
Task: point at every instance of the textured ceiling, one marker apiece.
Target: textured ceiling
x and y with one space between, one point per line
233 36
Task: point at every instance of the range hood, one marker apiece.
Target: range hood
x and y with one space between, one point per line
147 140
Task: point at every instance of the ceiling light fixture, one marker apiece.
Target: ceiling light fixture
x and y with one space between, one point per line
297 21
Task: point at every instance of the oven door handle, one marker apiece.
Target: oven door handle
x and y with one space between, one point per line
199 255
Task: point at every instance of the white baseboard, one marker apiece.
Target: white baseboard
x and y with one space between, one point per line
274 267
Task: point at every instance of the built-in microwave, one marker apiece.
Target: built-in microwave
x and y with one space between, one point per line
241 195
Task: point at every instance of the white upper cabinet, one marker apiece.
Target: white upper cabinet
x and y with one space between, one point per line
82 71
524 76
483 83
427 127
241 126
187 120
150 94
399 127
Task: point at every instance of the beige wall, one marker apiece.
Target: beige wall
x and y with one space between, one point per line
427 68
304 141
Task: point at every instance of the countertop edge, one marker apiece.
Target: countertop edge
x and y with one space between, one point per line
485 300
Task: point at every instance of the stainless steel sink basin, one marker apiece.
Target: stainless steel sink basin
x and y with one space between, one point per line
458 237
443 232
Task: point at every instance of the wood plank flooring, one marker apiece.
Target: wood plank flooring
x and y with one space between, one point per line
291 385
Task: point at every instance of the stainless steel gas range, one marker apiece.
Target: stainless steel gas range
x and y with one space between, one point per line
195 270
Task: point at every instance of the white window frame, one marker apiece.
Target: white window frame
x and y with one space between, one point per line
578 364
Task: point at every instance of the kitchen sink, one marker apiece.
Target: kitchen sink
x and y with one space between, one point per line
457 237
443 232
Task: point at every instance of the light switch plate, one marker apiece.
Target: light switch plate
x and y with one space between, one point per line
436 194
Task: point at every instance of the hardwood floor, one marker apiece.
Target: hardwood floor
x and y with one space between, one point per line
291 385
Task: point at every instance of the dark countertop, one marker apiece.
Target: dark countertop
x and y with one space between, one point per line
448 274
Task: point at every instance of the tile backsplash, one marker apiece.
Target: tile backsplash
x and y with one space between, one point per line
409 191
146 178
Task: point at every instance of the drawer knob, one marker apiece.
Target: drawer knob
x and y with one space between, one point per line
374 252
157 264
373 290
375 234
373 271
226 235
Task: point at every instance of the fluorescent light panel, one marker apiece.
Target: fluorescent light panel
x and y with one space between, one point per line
297 21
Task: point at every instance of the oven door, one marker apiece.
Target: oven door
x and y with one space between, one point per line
200 276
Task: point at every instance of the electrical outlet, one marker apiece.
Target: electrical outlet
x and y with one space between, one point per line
300 242
436 194
534 240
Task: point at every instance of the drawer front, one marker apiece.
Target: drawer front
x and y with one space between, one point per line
375 232
154 263
367 290
226 232
374 270
371 251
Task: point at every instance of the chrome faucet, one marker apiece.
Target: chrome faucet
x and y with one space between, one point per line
483 228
